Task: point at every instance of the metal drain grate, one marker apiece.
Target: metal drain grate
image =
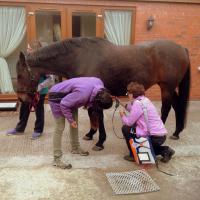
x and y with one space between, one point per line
132 182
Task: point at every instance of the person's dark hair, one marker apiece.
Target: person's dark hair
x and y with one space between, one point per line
103 100
136 89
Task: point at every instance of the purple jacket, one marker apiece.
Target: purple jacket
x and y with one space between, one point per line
79 92
136 116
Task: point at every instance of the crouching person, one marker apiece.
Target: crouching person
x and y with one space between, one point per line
65 98
153 127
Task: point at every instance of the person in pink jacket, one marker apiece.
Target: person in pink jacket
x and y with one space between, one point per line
153 127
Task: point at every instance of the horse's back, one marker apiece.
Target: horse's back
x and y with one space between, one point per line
169 58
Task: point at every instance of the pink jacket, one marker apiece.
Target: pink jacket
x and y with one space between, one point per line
136 116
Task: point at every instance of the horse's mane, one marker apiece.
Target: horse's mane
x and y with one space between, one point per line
62 47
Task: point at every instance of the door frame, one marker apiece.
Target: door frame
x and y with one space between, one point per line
66 18
31 19
88 9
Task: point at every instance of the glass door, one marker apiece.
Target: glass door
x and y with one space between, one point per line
83 24
48 26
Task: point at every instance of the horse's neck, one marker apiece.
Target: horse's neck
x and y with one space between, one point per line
46 67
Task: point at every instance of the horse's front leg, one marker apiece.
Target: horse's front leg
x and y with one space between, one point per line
102 133
93 125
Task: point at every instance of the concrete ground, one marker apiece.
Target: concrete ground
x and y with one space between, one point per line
26 172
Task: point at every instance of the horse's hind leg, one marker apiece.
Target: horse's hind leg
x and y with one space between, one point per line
170 98
166 95
179 124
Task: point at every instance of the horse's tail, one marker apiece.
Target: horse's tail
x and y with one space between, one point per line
184 92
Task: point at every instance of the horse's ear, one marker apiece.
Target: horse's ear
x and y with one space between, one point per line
22 57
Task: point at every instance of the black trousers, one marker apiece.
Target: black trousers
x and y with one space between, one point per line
25 112
156 141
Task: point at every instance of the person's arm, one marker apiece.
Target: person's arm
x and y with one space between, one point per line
127 106
135 113
120 102
72 100
49 81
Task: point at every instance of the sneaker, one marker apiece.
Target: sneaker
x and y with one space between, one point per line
60 164
80 152
13 132
35 135
129 158
167 156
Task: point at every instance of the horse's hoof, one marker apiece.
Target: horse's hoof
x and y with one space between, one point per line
174 137
87 138
97 148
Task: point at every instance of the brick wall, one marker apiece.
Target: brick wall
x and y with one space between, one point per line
177 22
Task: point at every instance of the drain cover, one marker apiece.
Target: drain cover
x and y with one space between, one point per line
132 182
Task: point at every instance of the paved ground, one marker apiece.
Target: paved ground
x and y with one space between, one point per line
26 172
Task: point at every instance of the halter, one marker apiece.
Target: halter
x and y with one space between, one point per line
32 78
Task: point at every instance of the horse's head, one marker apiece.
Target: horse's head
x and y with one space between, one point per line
27 80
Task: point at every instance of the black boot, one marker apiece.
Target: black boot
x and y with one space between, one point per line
167 155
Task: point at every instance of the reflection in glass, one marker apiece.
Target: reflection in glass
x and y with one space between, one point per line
48 26
83 24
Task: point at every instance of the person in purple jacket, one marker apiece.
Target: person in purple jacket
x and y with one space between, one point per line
65 98
153 127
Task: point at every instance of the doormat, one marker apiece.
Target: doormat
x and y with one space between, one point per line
131 182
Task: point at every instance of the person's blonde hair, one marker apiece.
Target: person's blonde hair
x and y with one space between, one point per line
136 89
34 46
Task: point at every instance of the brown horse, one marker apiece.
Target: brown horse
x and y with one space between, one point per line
159 62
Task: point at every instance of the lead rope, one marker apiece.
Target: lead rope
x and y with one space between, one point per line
35 101
144 108
113 127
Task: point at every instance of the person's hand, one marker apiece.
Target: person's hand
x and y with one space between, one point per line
74 124
85 108
117 98
40 87
120 102
122 113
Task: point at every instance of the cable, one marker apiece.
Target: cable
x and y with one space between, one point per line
169 174
116 106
